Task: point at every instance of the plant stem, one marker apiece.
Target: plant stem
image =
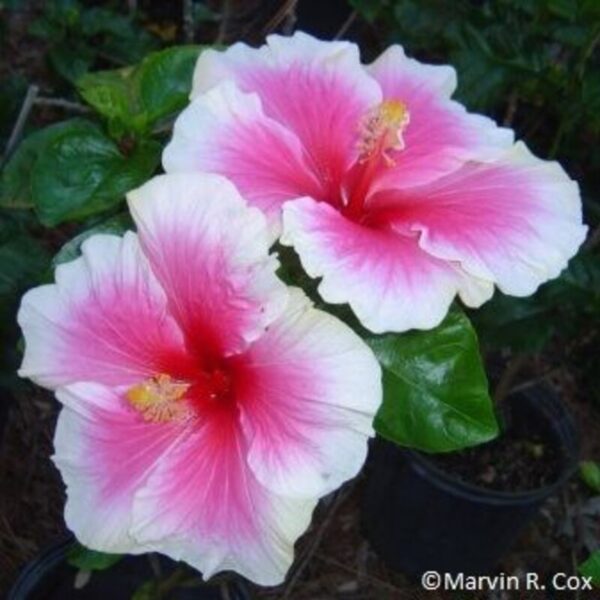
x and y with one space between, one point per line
62 103
346 25
316 540
15 136
171 582
557 139
225 14
286 14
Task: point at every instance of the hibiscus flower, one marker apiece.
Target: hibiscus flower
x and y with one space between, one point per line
206 407
389 190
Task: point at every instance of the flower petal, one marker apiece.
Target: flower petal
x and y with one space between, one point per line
105 451
225 131
104 320
209 250
390 283
317 89
204 506
441 134
308 391
515 222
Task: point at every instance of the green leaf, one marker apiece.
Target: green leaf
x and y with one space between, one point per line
147 591
435 392
83 173
591 568
590 473
117 225
580 282
15 184
521 324
562 306
135 98
91 560
110 93
164 80
72 59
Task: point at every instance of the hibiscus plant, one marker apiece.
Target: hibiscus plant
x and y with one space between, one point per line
224 346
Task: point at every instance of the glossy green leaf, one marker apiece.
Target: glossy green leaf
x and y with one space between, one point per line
591 568
435 395
590 473
110 93
83 173
15 183
164 80
91 560
135 98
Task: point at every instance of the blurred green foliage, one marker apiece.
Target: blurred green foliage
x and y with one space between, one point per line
591 568
81 168
81 38
590 473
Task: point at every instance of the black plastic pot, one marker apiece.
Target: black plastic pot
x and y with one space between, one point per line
50 577
419 518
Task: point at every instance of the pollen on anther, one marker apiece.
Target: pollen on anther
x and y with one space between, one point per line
159 399
382 129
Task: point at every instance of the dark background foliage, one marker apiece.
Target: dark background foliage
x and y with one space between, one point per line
533 65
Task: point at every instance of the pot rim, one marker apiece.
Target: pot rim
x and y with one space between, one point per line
427 469
52 555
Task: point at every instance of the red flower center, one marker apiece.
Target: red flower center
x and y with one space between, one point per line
163 398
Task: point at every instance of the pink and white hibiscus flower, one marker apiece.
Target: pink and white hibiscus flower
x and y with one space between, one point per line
206 407
387 188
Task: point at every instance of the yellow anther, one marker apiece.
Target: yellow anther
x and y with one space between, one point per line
158 399
382 129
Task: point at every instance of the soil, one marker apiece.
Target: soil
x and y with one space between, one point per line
511 463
